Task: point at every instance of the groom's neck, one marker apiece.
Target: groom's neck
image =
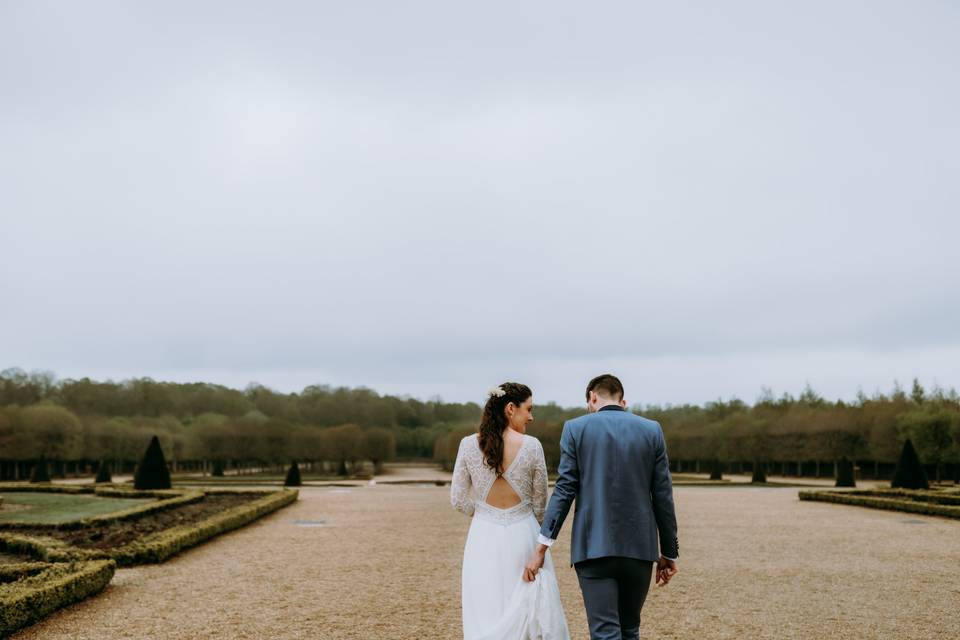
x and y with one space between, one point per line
609 403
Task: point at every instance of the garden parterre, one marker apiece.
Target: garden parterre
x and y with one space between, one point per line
384 562
76 558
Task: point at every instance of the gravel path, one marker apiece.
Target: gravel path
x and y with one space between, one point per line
384 563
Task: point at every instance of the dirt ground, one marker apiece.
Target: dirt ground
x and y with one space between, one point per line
383 562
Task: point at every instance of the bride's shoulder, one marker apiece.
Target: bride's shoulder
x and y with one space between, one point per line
468 440
533 442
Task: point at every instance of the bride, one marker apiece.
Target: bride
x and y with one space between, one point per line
500 478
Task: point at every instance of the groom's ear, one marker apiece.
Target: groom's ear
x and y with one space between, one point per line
623 403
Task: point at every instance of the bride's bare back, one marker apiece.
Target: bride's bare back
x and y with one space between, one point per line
524 479
501 494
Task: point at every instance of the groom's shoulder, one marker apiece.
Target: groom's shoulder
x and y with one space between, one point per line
618 416
647 422
578 422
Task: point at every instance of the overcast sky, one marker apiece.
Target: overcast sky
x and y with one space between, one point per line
429 198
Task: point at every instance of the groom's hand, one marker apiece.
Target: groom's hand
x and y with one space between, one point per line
535 564
666 569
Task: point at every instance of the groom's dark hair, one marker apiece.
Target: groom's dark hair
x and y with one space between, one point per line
607 384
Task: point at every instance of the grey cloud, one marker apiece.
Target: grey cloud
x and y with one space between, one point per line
286 192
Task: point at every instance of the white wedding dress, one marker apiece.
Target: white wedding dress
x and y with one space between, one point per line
497 603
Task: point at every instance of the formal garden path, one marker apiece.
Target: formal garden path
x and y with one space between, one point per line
383 562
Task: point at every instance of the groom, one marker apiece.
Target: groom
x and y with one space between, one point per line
614 464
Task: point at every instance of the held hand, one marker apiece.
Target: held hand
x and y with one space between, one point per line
535 564
666 569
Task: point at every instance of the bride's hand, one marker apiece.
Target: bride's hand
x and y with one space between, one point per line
535 564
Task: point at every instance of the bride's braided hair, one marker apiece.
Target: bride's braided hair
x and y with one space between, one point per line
494 421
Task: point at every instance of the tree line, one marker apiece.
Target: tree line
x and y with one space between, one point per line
76 422
203 421
804 436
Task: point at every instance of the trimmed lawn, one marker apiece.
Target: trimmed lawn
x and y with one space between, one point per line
54 508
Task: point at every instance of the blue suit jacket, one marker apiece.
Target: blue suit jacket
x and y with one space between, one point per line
614 464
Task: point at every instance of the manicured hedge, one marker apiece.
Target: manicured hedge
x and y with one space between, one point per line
184 497
105 490
158 546
30 591
121 491
895 501
935 497
6 487
38 547
41 591
167 500
13 572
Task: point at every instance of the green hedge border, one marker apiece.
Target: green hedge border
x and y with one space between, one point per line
108 490
917 495
165 499
44 487
45 588
158 546
17 570
897 501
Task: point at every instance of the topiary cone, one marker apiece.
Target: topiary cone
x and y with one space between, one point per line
716 471
152 472
759 472
845 473
40 471
909 473
217 469
103 474
293 476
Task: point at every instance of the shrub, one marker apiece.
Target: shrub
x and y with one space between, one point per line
159 546
934 497
845 473
293 476
155 547
103 474
893 503
46 488
152 473
39 590
164 500
217 469
759 472
909 473
163 504
18 570
716 470
40 473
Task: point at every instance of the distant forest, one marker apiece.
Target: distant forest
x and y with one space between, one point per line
75 424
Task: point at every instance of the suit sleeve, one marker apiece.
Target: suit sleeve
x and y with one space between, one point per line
566 489
662 497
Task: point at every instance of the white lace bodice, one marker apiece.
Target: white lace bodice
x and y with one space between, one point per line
472 479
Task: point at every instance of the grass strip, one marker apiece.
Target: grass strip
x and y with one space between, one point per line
159 546
169 500
42 487
155 547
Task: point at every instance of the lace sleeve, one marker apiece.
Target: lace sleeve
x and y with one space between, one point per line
539 498
460 486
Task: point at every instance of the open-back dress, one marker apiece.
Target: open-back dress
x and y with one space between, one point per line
497 603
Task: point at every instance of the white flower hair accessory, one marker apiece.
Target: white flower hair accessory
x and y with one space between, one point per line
496 392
